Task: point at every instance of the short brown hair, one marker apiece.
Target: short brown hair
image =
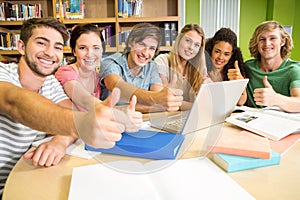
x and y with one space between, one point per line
31 24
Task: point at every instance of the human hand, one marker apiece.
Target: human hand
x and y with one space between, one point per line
102 127
265 96
136 118
170 97
235 74
47 154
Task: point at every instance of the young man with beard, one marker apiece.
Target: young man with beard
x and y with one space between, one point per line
33 103
135 73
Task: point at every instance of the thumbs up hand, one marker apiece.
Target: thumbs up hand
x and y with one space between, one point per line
235 74
265 96
170 97
135 118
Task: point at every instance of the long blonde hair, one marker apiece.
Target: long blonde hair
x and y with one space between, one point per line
195 67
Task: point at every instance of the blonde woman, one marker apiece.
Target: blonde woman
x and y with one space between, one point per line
187 61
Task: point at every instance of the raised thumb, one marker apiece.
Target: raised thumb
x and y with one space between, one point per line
236 65
113 98
132 103
266 82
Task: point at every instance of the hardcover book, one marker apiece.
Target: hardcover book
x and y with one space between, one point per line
231 163
145 144
243 143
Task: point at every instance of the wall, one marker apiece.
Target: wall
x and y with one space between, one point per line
253 13
192 10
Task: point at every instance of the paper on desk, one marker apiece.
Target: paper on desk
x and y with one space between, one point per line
184 179
75 149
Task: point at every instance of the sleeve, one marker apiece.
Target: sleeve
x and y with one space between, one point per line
162 65
155 79
53 90
295 76
109 66
5 75
66 73
60 94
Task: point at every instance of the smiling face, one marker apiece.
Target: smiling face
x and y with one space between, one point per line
88 51
269 44
189 45
142 52
44 51
221 54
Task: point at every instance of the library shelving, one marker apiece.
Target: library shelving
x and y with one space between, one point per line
104 13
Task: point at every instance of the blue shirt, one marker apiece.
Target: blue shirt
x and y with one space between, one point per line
117 64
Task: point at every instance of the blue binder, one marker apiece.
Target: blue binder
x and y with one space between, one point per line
146 144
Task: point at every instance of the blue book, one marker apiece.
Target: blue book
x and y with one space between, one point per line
120 8
232 163
146 144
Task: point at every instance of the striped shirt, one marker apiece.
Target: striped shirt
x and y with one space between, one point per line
15 138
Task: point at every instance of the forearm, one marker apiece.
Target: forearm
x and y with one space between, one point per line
288 104
64 140
242 99
143 96
79 95
186 105
149 109
35 111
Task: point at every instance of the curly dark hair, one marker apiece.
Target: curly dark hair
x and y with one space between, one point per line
227 35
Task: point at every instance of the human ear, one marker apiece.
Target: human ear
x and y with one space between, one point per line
21 47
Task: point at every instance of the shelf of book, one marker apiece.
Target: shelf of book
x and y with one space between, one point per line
104 13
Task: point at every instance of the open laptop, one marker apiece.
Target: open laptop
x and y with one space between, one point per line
213 104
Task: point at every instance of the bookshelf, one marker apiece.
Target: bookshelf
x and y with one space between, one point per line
104 13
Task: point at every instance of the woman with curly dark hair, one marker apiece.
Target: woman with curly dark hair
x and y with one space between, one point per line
227 57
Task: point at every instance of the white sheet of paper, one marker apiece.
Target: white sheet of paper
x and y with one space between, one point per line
184 179
75 149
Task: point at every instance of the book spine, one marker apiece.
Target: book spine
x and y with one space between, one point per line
125 9
120 8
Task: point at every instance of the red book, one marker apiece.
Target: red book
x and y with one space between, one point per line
283 145
243 143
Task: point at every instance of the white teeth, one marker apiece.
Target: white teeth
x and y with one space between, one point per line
89 61
46 61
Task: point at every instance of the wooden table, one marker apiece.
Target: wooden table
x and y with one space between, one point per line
274 182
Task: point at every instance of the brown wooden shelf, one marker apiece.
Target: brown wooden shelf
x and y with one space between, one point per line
89 20
148 19
9 52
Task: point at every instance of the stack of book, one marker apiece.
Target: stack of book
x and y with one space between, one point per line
243 150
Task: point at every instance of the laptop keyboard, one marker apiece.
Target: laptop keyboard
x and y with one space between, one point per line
176 124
